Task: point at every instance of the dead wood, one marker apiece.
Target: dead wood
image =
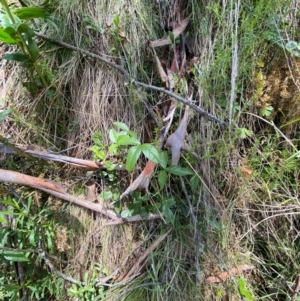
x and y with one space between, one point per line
86 165
176 140
142 181
54 189
176 32
21 179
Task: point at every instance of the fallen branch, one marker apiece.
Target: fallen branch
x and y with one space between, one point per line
44 155
134 81
58 191
54 189
83 164
21 179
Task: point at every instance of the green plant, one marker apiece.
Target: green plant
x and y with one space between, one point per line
24 236
277 31
120 142
243 289
3 114
14 31
88 291
117 34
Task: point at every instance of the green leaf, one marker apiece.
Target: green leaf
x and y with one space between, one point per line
162 179
113 135
110 166
132 134
163 160
118 207
170 202
121 126
7 22
179 171
97 141
267 111
125 213
113 149
28 34
15 256
96 138
51 23
106 195
168 214
150 152
49 93
28 13
171 36
2 219
243 290
194 181
18 57
116 20
126 140
3 114
33 49
132 157
244 133
6 37
32 237
144 213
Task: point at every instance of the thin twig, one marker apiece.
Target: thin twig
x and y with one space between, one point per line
134 81
57 272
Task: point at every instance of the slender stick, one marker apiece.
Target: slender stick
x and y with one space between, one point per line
134 81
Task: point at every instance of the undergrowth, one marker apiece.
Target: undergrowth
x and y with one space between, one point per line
238 206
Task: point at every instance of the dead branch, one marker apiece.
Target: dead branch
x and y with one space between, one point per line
86 165
54 189
134 81
21 179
